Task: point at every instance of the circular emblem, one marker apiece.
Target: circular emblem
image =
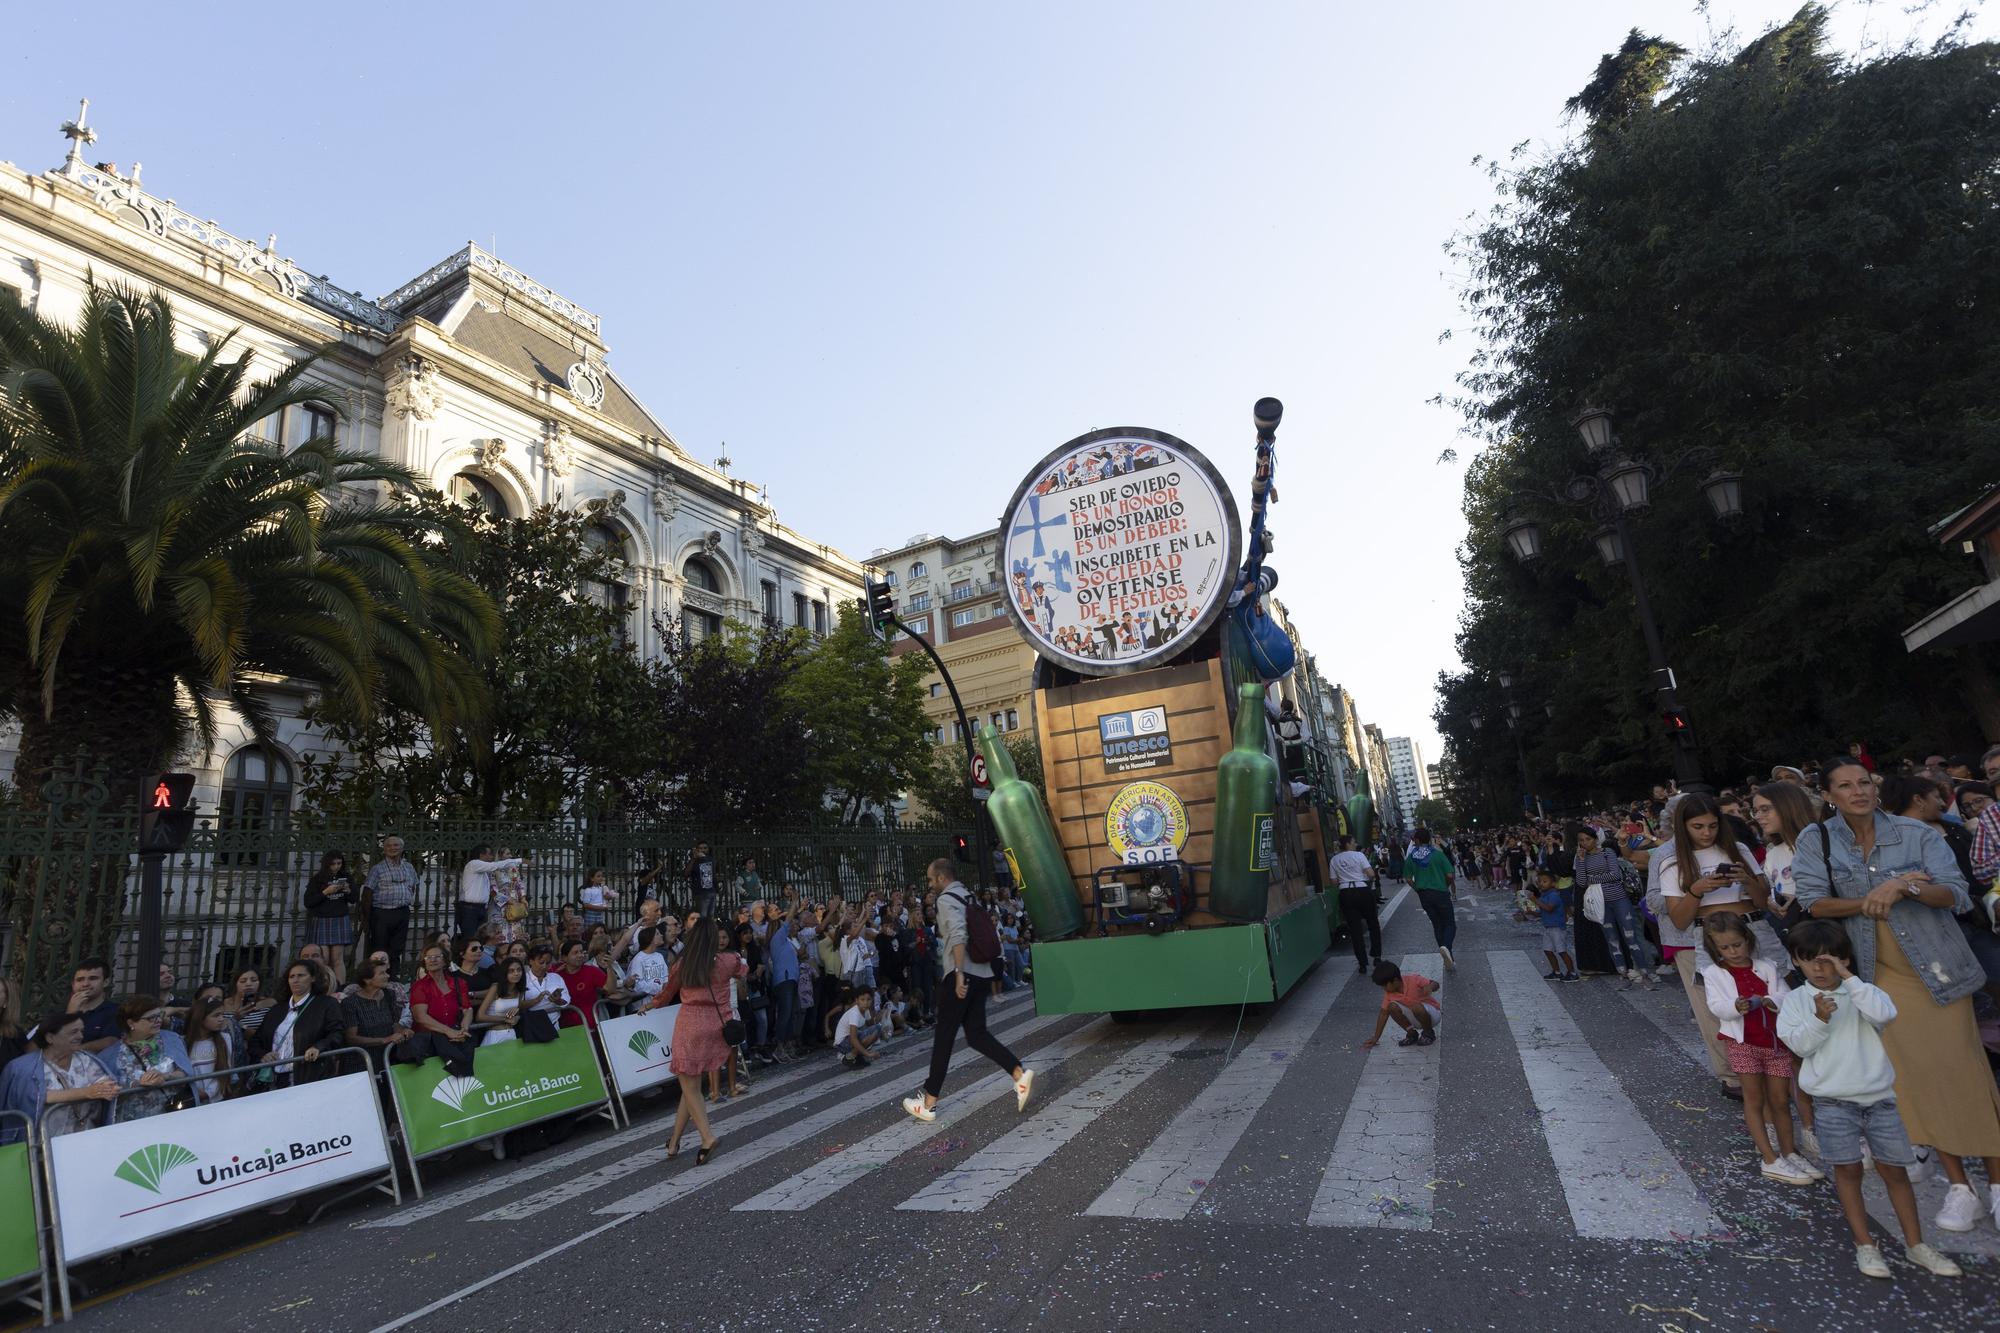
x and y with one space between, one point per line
1119 550
1146 823
586 384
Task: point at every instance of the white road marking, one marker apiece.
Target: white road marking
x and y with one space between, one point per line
443 1301
514 1175
1387 1150
689 1179
1620 1180
655 1156
1009 1159
1166 1180
836 1171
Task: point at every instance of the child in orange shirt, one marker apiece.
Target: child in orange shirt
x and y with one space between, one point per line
1411 1000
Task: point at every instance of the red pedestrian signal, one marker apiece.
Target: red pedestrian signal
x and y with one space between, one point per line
1676 720
961 849
166 815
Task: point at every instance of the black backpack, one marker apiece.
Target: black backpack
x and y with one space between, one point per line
982 937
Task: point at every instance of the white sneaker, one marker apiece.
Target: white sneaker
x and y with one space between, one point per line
915 1106
1921 1169
1923 1256
1022 1087
1805 1168
1782 1171
1450 963
1993 1199
1869 1260
1961 1209
1808 1143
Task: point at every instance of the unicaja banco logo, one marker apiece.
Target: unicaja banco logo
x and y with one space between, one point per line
643 1042
454 1090
148 1166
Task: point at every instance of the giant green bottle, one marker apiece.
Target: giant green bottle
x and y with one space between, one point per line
1246 817
1361 812
1029 840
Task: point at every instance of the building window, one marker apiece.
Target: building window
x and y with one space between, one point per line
918 601
321 423
967 616
799 609
819 618
475 492
770 601
996 720
958 731
9 292
960 591
936 689
698 624
609 588
1013 719
919 569
700 574
921 625
889 577
256 798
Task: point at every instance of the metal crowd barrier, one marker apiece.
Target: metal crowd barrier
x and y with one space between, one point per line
26 1165
146 1167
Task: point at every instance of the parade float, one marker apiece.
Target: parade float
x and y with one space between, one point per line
1171 865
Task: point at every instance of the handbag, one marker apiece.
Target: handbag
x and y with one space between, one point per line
733 1031
1593 904
517 910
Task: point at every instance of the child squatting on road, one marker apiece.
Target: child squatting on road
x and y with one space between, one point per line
1834 1024
1411 1000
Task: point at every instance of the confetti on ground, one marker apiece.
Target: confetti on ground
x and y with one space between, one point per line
832 1148
1433 1184
1667 1309
978 1288
944 1147
424 1258
280 1309
1697 1110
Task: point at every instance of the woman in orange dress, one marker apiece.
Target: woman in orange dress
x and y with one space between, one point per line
700 981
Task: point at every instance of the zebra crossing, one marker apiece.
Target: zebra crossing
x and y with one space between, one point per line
811 1139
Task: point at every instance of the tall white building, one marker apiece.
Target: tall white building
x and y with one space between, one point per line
493 386
1411 778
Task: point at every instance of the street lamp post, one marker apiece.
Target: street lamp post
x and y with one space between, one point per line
1620 487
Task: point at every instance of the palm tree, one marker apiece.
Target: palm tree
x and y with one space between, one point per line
158 560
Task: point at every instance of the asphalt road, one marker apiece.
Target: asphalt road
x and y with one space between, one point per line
1559 1160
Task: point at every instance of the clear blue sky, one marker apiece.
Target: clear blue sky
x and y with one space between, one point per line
892 254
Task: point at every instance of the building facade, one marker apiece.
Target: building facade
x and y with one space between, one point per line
491 386
950 592
1409 775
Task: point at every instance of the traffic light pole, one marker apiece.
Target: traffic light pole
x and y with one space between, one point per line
152 891
984 867
1687 764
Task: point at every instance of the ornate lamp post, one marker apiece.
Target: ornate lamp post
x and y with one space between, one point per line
1620 488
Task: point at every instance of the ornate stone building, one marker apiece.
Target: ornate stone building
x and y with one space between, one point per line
496 388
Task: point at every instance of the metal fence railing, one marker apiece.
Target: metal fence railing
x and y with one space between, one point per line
233 898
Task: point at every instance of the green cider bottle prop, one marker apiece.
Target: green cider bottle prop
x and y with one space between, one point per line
1246 817
1029 841
1361 812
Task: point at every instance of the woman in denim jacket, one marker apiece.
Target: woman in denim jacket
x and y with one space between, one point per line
1895 885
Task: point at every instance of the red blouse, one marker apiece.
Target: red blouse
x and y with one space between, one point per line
443 1003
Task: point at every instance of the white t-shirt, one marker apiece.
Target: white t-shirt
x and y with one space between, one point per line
1778 870
596 896
850 1023
1351 868
550 986
1705 860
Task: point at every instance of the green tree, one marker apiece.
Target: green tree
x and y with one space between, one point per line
570 722
1783 254
1436 815
735 748
157 560
865 712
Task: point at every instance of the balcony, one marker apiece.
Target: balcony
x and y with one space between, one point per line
991 588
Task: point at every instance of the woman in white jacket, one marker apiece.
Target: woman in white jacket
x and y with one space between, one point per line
1744 992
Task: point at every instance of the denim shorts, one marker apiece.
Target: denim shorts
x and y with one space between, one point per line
1841 1126
1557 939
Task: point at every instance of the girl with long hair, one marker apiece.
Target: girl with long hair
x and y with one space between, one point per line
700 981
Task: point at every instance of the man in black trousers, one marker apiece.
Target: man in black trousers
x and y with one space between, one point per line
961 1000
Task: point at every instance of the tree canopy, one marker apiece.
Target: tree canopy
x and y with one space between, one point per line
1786 256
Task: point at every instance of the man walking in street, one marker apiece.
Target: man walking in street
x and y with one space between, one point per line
1354 880
968 977
390 888
1430 872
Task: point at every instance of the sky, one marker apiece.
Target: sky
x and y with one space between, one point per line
892 255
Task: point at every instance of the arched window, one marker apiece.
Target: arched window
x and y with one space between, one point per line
889 577
700 574
698 622
919 569
256 798
610 588
469 488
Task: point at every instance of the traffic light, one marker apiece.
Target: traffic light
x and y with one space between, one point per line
1676 719
878 605
961 849
165 816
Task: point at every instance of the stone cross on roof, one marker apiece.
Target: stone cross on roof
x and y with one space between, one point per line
78 133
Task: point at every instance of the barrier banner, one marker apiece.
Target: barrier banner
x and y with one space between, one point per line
638 1047
123 1184
20 1255
513 1083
